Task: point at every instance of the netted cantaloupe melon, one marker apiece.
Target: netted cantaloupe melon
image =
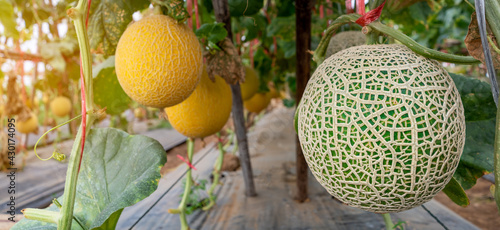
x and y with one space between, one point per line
258 102
27 126
381 128
344 40
205 112
158 61
60 106
251 84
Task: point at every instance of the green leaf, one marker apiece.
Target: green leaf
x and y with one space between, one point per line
239 8
8 20
108 20
288 47
212 33
283 27
107 90
289 103
480 113
285 8
117 171
456 193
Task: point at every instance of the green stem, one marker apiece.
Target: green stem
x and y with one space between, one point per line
494 46
419 49
378 27
496 162
492 8
388 222
181 210
319 53
216 173
78 15
41 215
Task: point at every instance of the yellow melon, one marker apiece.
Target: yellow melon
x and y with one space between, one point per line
138 112
28 126
158 61
251 84
205 112
273 93
60 106
258 102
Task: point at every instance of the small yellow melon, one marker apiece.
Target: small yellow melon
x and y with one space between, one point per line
258 102
205 112
28 126
60 106
251 84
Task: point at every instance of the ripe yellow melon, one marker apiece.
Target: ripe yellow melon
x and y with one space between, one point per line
273 93
251 84
158 61
28 126
205 112
60 106
258 102
138 113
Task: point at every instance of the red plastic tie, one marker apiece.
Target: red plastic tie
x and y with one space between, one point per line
186 161
371 16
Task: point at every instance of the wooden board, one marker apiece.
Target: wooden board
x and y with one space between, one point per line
272 153
41 181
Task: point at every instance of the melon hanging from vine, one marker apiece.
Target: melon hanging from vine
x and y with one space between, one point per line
381 128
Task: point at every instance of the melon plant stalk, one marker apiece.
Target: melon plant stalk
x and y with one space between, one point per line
216 174
65 216
181 210
79 16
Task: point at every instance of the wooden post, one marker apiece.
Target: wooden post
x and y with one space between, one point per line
221 9
303 38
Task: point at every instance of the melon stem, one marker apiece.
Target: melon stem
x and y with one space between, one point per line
388 222
378 27
216 173
496 161
181 210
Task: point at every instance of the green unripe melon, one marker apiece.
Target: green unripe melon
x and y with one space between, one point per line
381 128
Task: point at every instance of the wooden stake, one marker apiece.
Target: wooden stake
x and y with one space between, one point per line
221 9
303 38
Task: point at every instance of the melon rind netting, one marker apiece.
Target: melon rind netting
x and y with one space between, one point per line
344 40
381 128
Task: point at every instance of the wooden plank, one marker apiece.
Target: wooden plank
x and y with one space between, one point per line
275 207
169 138
41 181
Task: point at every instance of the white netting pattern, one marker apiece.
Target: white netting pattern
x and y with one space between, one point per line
381 128
344 40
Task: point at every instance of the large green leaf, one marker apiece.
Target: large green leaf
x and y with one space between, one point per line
108 20
107 90
8 20
118 170
477 157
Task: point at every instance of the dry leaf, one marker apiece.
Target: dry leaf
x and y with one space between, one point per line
226 63
14 104
474 46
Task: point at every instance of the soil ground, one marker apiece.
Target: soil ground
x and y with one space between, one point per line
482 210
